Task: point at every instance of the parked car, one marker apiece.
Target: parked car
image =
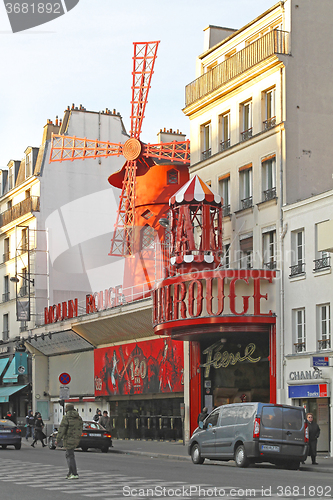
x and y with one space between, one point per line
252 433
93 436
10 434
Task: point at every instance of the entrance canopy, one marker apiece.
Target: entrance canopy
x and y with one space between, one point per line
5 392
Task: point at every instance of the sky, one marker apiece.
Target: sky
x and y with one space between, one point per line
85 57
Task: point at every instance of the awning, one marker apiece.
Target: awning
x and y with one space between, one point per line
3 364
5 392
10 376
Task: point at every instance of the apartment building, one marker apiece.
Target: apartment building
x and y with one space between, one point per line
260 137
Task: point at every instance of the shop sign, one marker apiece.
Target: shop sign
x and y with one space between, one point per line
211 293
308 391
320 361
99 301
218 358
61 311
305 375
155 366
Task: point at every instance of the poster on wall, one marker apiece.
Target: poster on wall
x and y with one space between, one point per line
153 366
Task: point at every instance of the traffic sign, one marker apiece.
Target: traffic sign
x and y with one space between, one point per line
64 378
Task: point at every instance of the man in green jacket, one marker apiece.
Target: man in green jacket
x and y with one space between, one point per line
70 431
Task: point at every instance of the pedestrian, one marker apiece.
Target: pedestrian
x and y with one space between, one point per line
10 416
105 421
39 434
70 431
97 415
203 414
29 425
314 432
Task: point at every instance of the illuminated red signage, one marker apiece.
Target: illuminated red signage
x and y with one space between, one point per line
154 366
61 311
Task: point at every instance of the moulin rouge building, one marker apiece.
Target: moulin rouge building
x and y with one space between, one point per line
227 315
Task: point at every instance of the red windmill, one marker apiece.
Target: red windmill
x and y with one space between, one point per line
138 155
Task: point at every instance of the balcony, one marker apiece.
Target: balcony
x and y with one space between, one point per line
5 297
270 265
225 210
6 256
26 206
246 203
246 134
206 154
324 344
275 42
299 347
224 145
297 270
323 263
269 123
269 194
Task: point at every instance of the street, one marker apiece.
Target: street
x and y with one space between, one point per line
36 474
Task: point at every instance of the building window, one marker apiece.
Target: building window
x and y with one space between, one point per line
299 330
5 295
226 256
246 251
172 176
224 123
28 165
224 191
24 290
206 149
297 255
246 120
269 120
324 319
11 178
269 178
5 327
245 184
269 249
24 242
6 250
322 259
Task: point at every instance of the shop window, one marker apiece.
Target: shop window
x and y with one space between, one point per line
324 326
299 330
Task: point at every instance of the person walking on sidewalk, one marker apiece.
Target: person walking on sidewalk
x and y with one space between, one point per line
105 421
70 431
29 425
39 434
314 432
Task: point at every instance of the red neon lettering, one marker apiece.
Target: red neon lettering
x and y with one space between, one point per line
179 289
73 308
220 296
232 297
257 295
198 299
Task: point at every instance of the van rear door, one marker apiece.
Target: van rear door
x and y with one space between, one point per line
270 441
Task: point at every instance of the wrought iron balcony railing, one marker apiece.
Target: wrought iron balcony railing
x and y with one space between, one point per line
6 256
246 134
271 264
324 344
297 270
224 145
246 203
269 123
275 42
299 346
269 194
225 210
206 154
322 263
5 297
30 204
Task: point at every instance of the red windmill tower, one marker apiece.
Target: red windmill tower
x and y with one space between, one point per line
139 160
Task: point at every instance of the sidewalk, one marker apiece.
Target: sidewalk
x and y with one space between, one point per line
177 451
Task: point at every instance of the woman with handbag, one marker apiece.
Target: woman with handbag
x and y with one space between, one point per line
39 434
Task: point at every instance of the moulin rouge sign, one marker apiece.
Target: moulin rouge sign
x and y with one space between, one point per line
215 293
95 302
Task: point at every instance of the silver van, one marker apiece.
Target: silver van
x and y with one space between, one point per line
252 433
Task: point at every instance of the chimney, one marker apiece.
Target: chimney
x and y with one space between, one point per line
170 136
49 129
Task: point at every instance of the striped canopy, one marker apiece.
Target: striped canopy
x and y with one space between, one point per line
195 190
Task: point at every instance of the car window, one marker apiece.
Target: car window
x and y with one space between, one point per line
91 425
245 414
6 423
292 419
271 417
212 419
228 415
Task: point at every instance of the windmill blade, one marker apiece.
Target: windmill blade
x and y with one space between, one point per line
143 65
64 147
122 243
170 151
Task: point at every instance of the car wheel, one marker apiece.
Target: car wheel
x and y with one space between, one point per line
240 457
84 448
51 444
197 459
18 446
105 449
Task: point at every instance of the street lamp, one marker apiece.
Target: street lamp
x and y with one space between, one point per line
22 304
14 279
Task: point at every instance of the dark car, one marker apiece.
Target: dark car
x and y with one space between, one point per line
93 436
10 434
